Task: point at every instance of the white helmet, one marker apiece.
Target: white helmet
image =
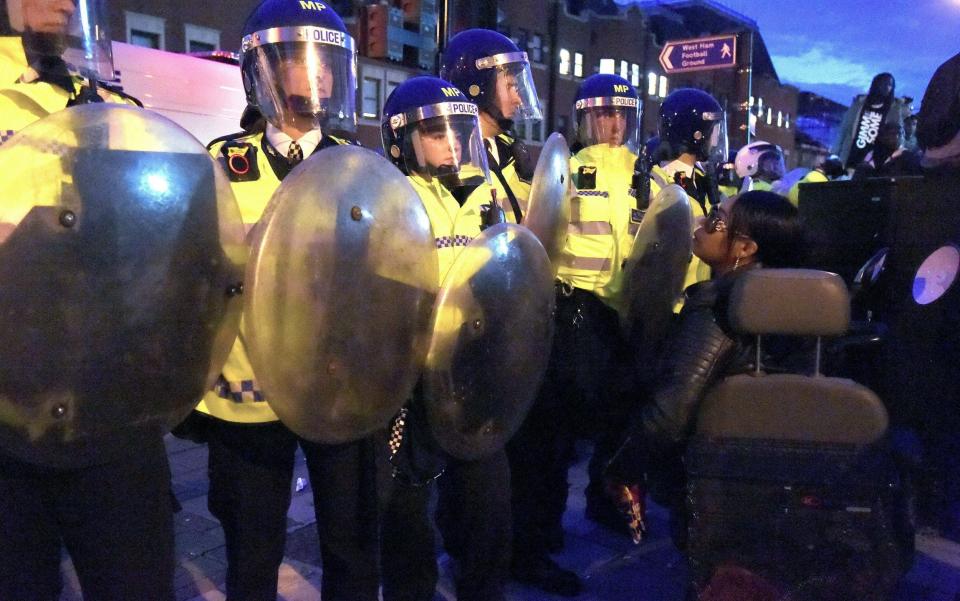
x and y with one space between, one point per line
760 160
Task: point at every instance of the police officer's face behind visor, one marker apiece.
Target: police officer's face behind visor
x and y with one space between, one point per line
508 94
45 16
440 147
305 79
611 126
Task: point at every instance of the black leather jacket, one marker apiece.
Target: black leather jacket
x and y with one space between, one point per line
701 350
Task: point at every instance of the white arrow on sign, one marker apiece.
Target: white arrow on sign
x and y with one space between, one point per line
665 56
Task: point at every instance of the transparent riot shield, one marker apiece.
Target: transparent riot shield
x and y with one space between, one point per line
340 285
655 271
121 262
548 214
492 329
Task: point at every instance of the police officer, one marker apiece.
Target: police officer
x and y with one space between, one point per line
492 71
113 514
830 169
580 381
692 134
431 131
298 65
762 162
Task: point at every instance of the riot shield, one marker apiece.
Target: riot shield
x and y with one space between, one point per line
492 329
121 258
340 286
548 213
655 271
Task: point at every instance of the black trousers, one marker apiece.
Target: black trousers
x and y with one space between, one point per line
114 519
579 398
473 516
251 467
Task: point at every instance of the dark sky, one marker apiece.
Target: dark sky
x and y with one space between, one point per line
835 47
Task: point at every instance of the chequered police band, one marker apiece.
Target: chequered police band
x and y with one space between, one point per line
244 391
452 241
599 193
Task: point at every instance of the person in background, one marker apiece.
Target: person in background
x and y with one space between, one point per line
910 133
830 169
762 162
888 158
861 123
938 124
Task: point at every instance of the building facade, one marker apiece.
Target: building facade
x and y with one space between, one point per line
567 41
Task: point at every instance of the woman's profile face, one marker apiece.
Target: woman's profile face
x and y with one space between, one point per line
711 238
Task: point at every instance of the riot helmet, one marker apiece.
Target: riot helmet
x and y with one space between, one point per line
760 160
299 65
607 111
73 30
493 72
692 121
430 128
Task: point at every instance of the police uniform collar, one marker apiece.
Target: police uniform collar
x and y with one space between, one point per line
281 141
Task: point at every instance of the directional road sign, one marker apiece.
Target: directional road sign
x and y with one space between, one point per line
699 54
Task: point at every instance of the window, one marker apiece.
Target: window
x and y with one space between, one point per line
564 61
200 39
145 30
786 121
607 66
651 84
523 38
751 101
375 83
779 119
624 69
769 116
663 86
759 106
635 75
146 39
370 104
578 64
535 48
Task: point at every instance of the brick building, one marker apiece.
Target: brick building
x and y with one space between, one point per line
567 40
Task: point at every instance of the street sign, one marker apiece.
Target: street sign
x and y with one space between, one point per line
699 54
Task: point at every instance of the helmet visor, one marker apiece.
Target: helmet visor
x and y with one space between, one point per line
448 147
514 93
718 143
305 85
75 30
611 121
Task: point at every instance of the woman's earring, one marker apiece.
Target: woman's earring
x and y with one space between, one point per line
736 263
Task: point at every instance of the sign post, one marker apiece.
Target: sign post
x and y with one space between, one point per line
699 54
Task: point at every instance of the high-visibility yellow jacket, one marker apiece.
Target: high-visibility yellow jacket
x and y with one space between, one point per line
697 271
603 222
506 168
23 103
236 396
453 226
813 176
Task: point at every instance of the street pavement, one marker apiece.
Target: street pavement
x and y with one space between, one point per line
612 568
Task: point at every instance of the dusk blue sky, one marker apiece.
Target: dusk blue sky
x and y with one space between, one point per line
835 47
